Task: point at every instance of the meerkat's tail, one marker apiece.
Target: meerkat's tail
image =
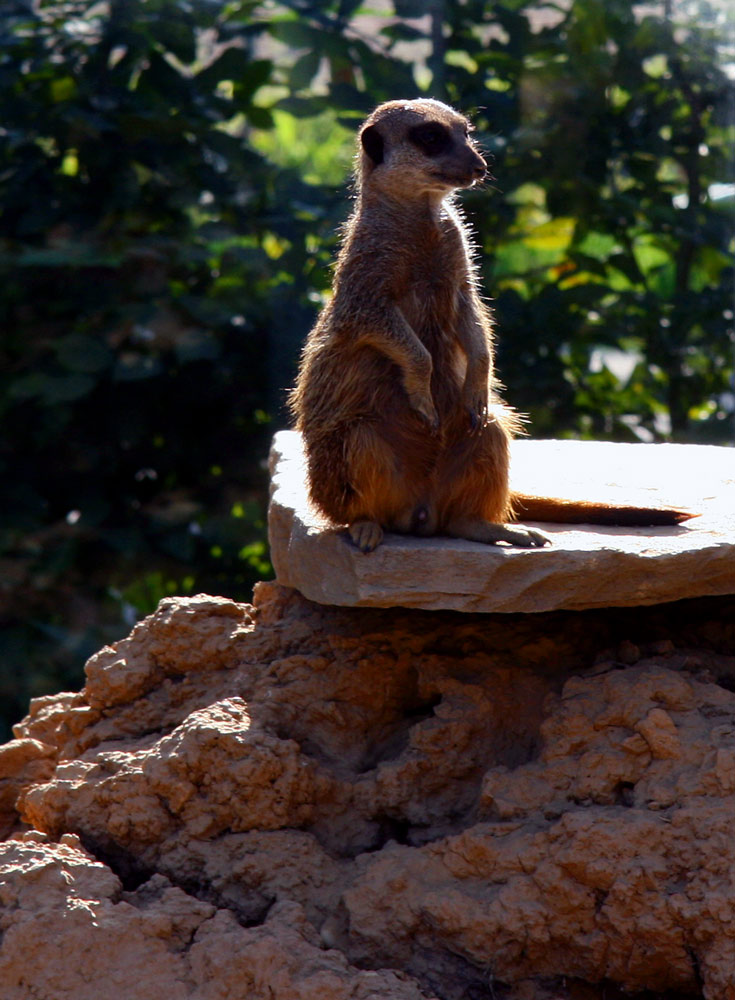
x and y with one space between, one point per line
548 509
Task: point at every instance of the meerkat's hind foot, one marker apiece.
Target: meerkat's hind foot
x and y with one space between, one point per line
366 535
477 530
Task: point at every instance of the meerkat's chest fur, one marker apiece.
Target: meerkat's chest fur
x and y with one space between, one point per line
421 264
431 300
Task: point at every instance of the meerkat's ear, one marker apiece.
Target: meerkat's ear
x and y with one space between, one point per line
372 143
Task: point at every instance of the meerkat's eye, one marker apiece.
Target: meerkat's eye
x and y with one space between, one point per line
432 138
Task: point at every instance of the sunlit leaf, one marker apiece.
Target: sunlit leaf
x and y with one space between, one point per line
63 89
554 235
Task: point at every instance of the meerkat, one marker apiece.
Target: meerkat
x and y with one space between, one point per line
396 397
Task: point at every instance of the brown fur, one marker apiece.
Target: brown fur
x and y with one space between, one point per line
396 396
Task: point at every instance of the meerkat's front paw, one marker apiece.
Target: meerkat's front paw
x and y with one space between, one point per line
424 404
527 538
366 535
476 406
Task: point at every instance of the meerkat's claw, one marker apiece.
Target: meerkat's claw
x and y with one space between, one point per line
476 406
366 535
529 538
478 418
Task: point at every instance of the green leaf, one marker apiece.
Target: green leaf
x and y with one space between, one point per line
597 245
63 89
410 8
74 255
235 64
197 345
29 386
304 70
553 235
132 367
83 354
51 389
348 7
177 34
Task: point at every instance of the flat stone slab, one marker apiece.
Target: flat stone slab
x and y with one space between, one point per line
584 567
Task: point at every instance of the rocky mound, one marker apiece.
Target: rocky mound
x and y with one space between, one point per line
298 802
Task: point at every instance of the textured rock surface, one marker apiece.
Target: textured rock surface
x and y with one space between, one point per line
293 801
70 930
585 567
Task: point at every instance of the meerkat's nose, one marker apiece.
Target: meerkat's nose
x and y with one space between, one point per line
479 165
479 170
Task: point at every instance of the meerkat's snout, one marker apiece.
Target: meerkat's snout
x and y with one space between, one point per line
477 164
466 169
479 171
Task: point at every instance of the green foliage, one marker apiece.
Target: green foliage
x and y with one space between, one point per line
145 248
172 177
608 132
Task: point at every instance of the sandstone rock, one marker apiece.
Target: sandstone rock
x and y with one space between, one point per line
585 567
22 762
549 879
297 802
69 930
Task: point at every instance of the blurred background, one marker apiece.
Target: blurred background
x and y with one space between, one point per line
173 174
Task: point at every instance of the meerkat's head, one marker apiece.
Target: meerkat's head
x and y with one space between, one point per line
410 149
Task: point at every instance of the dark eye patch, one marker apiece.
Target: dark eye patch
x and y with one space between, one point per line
431 138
